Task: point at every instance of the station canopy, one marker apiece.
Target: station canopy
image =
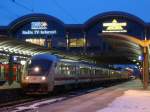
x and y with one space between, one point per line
125 50
125 45
11 46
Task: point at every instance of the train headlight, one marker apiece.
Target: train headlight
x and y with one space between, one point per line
36 69
43 78
27 78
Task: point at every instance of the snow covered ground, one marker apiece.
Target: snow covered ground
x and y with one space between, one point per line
131 101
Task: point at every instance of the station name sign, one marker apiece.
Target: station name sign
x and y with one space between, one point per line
114 26
39 25
39 28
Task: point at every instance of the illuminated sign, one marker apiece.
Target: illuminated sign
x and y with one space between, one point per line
114 26
39 28
39 25
38 32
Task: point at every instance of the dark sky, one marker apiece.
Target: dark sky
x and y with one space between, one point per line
71 11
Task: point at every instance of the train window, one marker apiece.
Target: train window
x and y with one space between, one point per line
39 67
74 42
64 68
84 70
72 69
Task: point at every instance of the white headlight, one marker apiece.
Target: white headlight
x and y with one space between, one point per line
36 69
43 78
27 78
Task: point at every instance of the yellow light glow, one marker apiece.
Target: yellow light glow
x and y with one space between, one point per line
40 41
77 42
27 78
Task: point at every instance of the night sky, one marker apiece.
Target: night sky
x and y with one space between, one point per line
71 11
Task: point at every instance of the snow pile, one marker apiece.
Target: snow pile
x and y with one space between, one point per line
131 101
37 105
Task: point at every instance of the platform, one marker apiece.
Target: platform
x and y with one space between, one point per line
126 97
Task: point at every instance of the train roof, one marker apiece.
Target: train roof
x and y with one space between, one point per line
45 56
55 58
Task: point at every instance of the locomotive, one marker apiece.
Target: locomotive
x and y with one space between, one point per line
43 72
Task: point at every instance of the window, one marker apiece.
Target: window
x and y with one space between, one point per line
40 41
77 42
39 67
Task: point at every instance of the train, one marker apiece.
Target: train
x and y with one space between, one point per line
4 73
43 72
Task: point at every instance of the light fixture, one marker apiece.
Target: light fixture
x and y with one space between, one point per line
23 62
140 58
134 60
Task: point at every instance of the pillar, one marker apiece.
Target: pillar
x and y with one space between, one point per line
85 41
67 41
145 68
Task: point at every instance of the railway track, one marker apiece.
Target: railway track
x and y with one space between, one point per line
30 104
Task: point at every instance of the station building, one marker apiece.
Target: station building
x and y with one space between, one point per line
52 33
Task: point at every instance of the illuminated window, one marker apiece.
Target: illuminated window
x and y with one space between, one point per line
77 42
40 42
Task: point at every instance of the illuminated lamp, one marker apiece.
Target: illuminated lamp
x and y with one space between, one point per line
22 62
140 58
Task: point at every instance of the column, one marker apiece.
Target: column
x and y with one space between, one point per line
67 41
85 41
145 68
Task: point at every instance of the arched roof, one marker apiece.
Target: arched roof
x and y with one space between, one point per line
26 18
104 15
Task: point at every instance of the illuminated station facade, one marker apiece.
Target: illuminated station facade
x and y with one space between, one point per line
52 33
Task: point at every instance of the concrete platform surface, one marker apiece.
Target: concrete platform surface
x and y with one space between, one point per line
98 101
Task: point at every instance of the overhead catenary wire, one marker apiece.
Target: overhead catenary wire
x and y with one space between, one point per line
54 1
22 6
33 9
64 10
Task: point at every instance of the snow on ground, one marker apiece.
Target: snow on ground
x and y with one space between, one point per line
36 105
131 101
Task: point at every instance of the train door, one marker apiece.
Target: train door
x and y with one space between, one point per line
14 72
17 72
2 73
50 76
6 71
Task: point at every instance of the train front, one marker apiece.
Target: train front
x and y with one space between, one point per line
35 79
